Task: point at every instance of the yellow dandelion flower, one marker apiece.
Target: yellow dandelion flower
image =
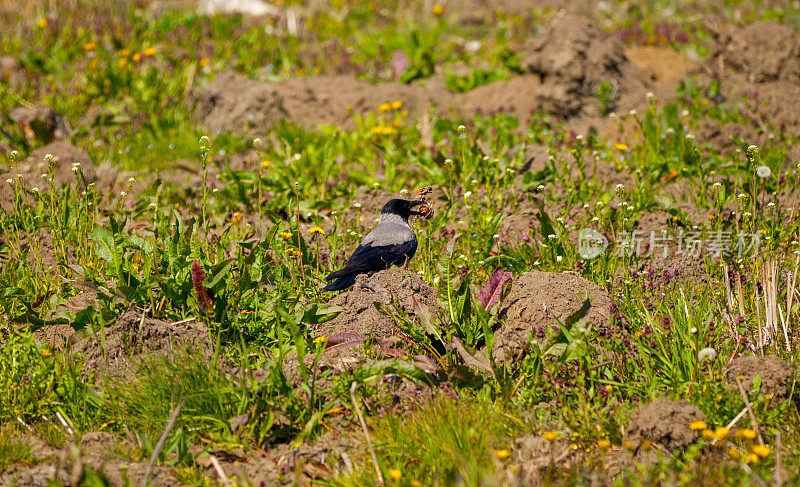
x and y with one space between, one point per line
124 53
621 147
502 454
746 433
150 51
438 9
628 445
604 443
137 57
204 62
645 445
321 339
734 453
286 235
395 474
722 432
708 434
397 105
46 353
90 46
316 230
122 62
42 23
383 130
698 425
512 469
550 436
751 458
385 107
761 450
265 164
416 483
349 108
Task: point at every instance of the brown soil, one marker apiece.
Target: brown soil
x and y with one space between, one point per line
31 170
12 72
519 223
281 465
768 83
534 454
412 295
234 103
326 457
744 48
665 424
41 250
660 63
66 464
777 376
572 57
619 460
539 301
564 66
133 333
42 122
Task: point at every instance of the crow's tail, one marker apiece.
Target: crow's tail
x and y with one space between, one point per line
342 282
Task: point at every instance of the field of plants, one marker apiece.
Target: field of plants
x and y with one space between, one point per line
606 294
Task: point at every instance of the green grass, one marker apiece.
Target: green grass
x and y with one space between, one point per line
13 450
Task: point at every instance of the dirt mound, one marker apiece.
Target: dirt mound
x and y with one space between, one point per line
12 71
533 454
572 57
36 165
776 375
566 65
41 121
42 253
744 49
234 103
133 333
412 295
95 450
324 458
768 82
540 301
665 424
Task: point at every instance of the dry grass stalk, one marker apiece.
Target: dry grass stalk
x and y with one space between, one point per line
753 422
366 433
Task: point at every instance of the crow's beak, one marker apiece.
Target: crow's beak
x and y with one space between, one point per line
423 209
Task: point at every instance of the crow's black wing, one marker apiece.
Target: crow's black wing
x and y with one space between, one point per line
367 258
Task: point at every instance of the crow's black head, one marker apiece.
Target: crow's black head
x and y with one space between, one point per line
404 208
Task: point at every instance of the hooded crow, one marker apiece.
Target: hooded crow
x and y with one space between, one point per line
392 242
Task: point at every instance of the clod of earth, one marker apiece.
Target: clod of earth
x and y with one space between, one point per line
132 334
542 301
410 293
776 375
664 423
